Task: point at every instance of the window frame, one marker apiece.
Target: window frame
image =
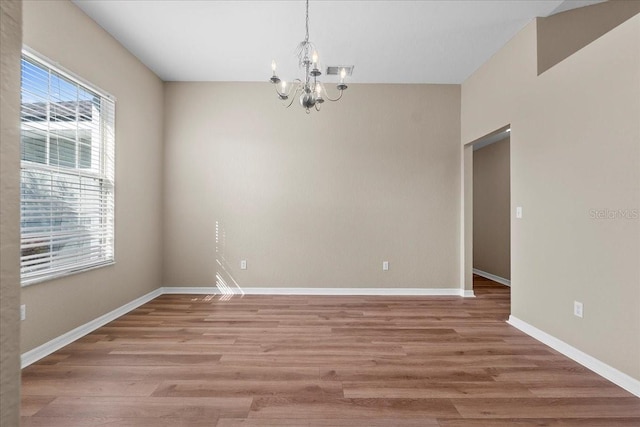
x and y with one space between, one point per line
100 179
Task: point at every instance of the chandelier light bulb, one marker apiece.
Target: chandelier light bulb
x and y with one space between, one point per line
318 90
284 86
314 57
343 74
273 66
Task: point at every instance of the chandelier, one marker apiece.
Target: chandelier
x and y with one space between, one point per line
309 90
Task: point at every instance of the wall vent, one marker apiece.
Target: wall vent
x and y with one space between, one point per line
334 70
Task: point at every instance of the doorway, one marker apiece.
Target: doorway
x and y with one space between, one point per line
486 210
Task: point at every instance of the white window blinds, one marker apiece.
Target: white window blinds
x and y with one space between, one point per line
67 173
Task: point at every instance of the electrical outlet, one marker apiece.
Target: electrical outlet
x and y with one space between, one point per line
577 309
243 264
23 312
385 265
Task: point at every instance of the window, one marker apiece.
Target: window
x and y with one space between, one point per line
67 173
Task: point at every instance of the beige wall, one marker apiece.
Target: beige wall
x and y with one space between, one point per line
491 209
10 46
62 32
563 34
574 147
312 201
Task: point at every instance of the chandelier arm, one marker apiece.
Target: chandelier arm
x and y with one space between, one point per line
289 104
280 94
293 95
327 94
295 84
336 99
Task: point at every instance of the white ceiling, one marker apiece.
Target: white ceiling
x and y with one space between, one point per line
390 41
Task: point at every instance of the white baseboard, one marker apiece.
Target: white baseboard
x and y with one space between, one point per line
621 379
493 277
353 291
467 293
55 344
205 290
320 291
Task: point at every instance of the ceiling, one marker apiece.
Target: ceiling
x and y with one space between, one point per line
390 41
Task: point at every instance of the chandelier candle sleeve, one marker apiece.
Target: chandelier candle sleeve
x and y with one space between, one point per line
309 88
274 79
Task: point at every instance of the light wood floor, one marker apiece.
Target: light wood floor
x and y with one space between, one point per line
186 360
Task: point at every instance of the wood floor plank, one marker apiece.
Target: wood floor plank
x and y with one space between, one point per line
328 422
574 407
147 407
84 387
541 422
304 408
77 359
312 360
117 422
65 374
32 404
250 388
427 389
400 372
577 389
319 361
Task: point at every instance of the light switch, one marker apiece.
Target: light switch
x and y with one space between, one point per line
519 212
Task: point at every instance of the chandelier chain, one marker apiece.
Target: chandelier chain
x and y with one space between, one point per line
306 39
